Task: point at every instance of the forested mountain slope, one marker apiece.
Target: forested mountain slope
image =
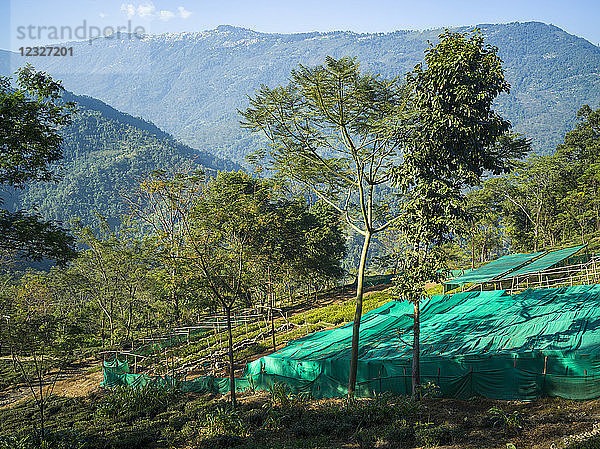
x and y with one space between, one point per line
191 84
106 152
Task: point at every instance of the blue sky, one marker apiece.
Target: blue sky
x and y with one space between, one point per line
579 17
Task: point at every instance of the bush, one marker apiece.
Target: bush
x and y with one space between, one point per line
129 403
52 440
498 417
281 396
224 421
401 434
429 435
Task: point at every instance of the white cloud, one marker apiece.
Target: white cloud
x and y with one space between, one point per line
166 15
148 11
129 10
102 15
183 13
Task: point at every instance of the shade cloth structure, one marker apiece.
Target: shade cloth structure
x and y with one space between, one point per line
494 269
545 262
538 343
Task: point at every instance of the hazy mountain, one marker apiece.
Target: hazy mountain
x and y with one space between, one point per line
106 152
191 84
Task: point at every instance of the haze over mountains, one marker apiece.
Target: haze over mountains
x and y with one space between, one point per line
191 84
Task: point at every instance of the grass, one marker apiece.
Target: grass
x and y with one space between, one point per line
8 375
149 418
155 418
302 324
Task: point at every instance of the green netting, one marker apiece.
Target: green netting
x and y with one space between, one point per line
538 343
116 373
546 261
494 269
541 342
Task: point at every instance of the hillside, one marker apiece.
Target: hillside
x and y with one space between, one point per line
191 84
82 414
105 153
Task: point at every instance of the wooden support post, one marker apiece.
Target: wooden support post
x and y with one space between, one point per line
545 365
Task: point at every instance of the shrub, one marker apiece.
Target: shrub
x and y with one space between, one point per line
224 421
499 417
428 390
281 397
429 435
52 440
133 402
401 434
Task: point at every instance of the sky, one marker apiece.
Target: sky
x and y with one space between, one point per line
29 22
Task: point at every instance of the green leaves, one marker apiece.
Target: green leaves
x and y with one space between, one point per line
30 116
332 129
456 132
28 236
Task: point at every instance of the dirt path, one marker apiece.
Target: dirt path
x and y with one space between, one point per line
74 381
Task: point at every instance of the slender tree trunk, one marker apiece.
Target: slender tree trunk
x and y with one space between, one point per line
174 297
231 364
102 328
40 375
357 314
416 373
473 253
272 302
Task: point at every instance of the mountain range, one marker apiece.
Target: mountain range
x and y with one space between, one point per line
192 84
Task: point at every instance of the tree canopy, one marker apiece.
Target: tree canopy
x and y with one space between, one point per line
31 113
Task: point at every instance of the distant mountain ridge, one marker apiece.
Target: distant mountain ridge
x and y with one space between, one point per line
106 154
192 84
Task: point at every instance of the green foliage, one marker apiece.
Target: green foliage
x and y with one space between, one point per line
114 275
430 435
281 397
500 417
63 439
224 421
129 403
547 201
428 390
31 111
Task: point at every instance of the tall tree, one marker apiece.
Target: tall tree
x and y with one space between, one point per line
455 138
40 339
31 113
160 206
225 234
338 132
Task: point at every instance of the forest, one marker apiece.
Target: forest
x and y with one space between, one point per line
361 177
